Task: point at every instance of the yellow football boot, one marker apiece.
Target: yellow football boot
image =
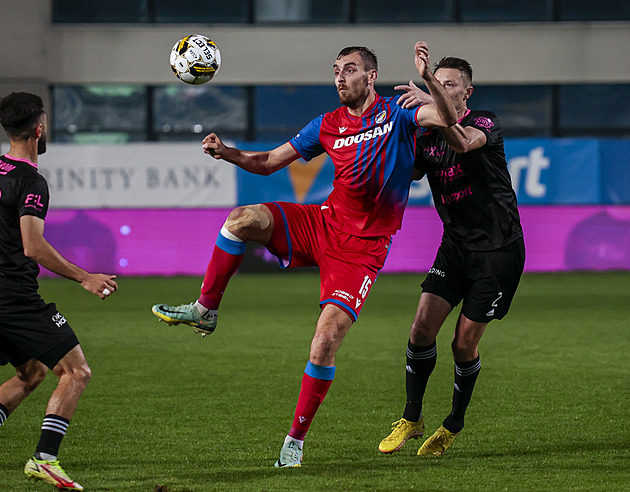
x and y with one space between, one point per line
438 443
402 430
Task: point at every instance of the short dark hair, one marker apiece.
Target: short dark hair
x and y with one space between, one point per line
20 113
367 55
458 64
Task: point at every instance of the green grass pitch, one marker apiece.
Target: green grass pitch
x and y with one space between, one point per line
551 409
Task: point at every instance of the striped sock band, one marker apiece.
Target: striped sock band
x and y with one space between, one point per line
468 369
55 423
4 413
421 353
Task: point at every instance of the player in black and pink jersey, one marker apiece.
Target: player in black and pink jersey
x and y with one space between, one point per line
34 336
371 141
480 259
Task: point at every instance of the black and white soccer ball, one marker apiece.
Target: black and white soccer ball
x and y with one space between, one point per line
195 59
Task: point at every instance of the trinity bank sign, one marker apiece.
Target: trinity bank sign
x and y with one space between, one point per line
136 176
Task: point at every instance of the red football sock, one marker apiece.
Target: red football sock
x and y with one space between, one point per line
220 270
311 396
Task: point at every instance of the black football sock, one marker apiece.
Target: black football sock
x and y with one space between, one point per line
53 430
420 364
465 377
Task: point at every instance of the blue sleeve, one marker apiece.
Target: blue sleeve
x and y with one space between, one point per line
409 115
306 142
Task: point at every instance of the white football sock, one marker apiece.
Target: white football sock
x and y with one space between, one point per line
289 438
201 308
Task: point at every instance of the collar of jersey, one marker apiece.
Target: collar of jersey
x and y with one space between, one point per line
367 111
464 116
21 160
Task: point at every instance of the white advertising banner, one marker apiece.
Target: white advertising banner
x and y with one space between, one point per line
143 175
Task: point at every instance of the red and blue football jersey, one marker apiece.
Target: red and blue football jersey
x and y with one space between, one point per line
373 157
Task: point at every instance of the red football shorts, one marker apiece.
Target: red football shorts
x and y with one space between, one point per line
348 265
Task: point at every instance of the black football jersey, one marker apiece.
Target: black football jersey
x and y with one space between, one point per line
472 192
23 191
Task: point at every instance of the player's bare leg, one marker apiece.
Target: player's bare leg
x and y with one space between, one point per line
244 224
74 375
430 316
466 339
332 326
28 377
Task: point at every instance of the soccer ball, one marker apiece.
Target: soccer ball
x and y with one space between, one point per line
195 59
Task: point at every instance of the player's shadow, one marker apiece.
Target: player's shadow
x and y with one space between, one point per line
84 241
601 241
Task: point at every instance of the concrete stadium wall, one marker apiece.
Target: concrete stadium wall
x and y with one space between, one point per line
36 52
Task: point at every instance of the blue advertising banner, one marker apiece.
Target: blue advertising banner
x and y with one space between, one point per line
615 171
543 171
300 182
562 171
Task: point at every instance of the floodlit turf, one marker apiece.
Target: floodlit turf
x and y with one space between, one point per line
167 408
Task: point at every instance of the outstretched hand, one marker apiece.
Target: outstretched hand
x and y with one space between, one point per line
100 284
413 96
423 63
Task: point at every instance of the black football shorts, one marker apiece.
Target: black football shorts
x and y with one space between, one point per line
485 281
34 332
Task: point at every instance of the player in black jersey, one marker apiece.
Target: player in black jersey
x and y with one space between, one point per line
480 260
34 336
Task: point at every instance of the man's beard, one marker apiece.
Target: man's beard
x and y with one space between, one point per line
41 144
349 100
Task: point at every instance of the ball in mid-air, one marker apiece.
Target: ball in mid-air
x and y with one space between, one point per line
195 59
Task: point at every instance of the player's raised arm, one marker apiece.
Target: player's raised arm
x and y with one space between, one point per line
442 112
463 139
256 162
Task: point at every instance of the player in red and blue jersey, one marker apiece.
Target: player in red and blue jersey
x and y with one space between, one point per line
371 141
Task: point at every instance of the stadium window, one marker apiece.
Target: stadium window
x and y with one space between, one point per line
587 10
403 11
502 11
227 11
336 11
183 112
99 113
594 110
303 11
101 11
177 112
523 110
282 111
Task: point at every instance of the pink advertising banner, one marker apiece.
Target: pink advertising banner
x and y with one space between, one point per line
180 241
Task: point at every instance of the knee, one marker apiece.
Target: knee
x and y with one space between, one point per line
421 333
326 342
247 221
83 375
463 350
80 375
